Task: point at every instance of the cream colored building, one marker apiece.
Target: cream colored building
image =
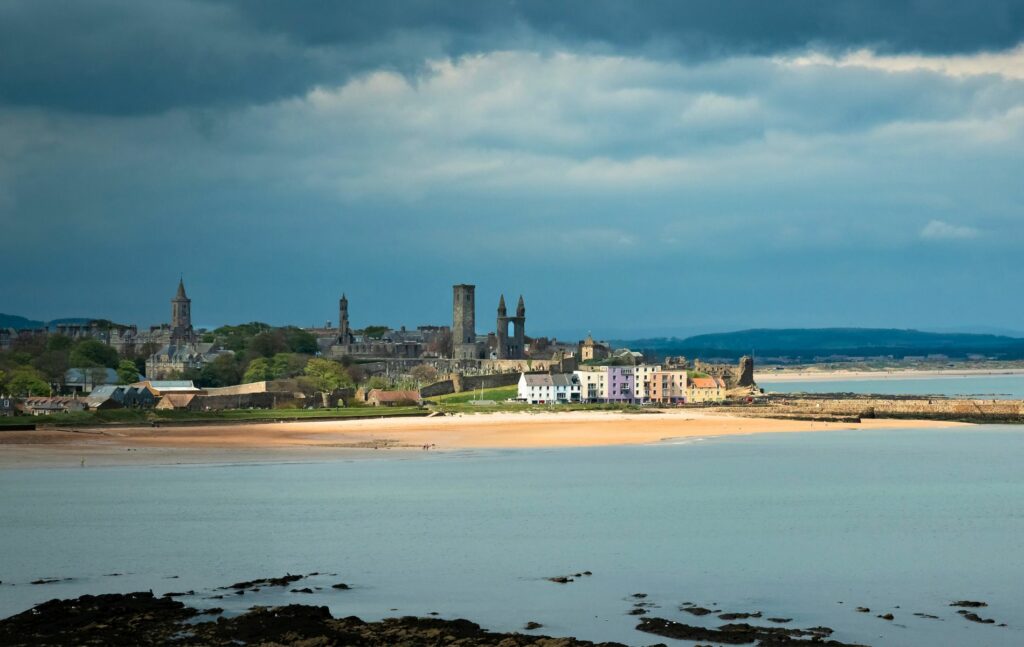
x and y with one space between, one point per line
642 381
705 389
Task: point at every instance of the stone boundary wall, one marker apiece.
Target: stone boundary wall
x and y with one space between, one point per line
255 387
902 407
458 384
265 400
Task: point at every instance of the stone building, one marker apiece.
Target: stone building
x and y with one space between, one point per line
392 344
464 341
511 346
345 335
182 351
591 350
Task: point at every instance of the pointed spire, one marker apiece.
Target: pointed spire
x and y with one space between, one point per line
521 308
501 306
181 289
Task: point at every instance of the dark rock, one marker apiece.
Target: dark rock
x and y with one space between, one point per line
179 594
640 596
739 616
531 625
927 615
637 611
974 617
863 610
50 580
971 604
697 611
303 590
739 634
780 621
587 573
144 620
112 574
341 586
560 580
270 581
886 616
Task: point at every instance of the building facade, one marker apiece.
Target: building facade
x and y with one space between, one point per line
549 388
668 387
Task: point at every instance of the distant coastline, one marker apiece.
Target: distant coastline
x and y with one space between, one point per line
812 374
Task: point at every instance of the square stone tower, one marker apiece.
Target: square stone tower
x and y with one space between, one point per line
464 344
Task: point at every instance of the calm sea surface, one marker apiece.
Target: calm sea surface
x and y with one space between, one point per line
806 526
1000 387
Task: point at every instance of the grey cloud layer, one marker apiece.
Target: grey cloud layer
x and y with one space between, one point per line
139 56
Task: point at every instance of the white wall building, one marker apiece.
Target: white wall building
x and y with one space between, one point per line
542 388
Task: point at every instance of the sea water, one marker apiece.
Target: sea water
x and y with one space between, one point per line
805 525
986 387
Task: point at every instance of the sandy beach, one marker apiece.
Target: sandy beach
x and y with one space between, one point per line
323 440
826 375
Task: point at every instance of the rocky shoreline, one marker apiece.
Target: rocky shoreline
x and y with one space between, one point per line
144 619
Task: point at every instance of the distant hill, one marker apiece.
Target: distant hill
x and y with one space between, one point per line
20 323
808 343
14 321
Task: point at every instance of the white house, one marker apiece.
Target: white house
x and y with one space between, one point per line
542 388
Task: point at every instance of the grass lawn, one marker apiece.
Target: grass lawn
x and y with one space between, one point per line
498 394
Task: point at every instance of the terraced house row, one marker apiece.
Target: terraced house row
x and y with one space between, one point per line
643 384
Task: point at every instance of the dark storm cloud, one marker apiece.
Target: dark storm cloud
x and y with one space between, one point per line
142 56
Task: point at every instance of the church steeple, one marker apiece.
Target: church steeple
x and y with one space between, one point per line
521 308
181 313
501 306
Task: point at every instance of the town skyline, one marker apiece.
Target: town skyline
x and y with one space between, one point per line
789 169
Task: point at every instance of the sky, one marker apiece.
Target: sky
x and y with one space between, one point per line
633 169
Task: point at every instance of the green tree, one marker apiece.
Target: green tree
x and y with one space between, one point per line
27 381
59 342
377 382
288 365
127 372
300 341
91 352
375 332
53 364
224 370
267 344
327 375
258 370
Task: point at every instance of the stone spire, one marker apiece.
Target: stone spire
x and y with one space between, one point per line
501 307
181 314
521 308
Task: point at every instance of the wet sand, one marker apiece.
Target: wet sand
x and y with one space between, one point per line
377 438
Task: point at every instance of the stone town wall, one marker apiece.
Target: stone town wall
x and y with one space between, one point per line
458 384
898 407
255 387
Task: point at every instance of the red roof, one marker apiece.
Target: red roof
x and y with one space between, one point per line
706 382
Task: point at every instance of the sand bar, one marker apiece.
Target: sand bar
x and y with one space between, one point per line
377 438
